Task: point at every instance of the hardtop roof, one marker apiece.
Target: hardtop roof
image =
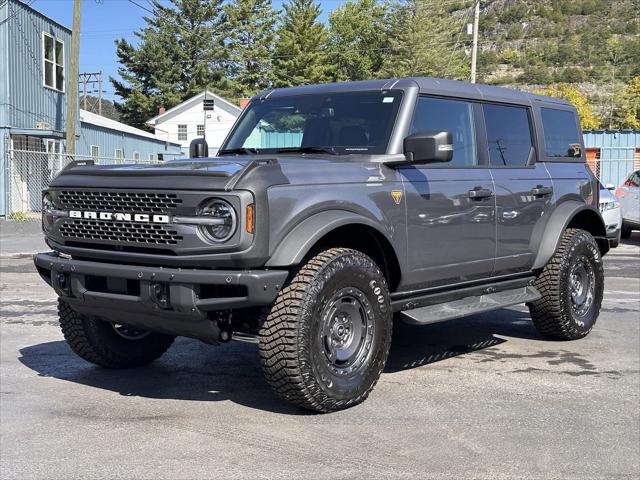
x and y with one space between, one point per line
426 85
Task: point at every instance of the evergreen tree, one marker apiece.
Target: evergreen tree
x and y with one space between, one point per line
423 42
300 53
178 55
359 37
249 45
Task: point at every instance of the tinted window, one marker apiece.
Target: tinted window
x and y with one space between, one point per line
561 136
434 114
508 135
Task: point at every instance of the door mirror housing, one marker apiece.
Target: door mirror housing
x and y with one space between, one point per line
427 147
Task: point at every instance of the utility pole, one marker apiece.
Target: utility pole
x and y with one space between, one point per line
474 50
89 81
72 79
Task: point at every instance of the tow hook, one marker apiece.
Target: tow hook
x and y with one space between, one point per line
160 295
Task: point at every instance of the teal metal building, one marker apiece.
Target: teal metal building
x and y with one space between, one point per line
612 154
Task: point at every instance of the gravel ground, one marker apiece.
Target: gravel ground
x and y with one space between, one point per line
481 397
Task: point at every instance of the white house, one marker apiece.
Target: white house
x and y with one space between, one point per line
188 120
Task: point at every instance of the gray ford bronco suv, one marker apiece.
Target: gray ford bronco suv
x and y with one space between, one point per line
329 210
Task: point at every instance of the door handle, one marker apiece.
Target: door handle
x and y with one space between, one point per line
541 191
478 193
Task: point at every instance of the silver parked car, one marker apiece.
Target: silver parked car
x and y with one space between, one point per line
611 214
629 197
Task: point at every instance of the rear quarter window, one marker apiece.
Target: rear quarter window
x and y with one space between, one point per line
561 135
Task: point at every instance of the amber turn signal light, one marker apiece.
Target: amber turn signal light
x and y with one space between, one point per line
250 219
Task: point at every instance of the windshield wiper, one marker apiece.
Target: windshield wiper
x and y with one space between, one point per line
238 151
311 149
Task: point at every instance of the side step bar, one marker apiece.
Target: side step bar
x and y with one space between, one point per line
470 305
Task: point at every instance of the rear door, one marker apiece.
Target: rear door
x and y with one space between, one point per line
523 187
450 206
629 195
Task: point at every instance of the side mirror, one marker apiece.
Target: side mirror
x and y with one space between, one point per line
429 147
610 186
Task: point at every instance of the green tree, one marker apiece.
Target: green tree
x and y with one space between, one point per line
588 118
300 53
627 111
178 54
423 42
359 37
249 45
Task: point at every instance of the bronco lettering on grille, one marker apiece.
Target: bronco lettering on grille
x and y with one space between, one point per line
119 217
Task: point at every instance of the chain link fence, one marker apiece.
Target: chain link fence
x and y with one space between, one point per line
29 172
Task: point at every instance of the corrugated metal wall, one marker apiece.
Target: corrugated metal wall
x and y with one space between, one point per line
109 140
280 139
617 153
29 102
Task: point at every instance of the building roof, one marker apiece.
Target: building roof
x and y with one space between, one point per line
187 104
40 14
104 122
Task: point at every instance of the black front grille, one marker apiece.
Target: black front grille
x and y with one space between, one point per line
124 232
107 201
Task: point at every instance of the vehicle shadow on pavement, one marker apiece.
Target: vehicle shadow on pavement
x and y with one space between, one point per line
192 370
417 345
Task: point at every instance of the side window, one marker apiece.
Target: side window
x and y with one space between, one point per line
508 135
561 136
633 180
455 116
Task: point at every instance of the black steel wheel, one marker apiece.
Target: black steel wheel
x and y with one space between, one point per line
107 344
326 340
572 286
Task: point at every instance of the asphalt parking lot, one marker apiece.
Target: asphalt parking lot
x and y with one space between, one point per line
481 397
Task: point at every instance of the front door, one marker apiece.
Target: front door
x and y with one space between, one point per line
523 188
450 206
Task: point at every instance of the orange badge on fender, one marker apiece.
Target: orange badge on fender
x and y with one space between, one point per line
397 196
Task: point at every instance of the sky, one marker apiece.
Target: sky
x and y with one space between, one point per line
104 21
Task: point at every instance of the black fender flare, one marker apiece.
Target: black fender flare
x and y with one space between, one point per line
297 243
556 224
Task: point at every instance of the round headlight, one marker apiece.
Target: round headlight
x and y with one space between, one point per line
224 220
47 207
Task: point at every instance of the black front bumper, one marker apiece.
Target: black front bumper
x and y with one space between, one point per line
134 294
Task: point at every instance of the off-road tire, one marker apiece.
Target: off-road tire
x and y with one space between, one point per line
97 342
553 314
291 349
625 231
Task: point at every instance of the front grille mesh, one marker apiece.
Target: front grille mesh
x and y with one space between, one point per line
139 233
107 201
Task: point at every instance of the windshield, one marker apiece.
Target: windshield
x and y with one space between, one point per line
343 123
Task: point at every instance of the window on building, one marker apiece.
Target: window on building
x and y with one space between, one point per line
95 152
136 156
119 155
152 157
53 55
561 136
200 130
182 132
435 114
508 135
